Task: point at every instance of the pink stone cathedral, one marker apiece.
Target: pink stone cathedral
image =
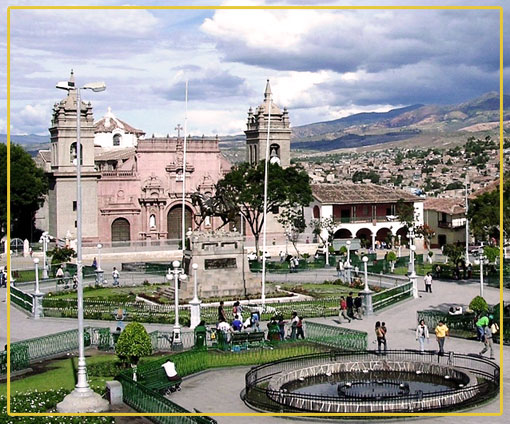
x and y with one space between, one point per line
132 185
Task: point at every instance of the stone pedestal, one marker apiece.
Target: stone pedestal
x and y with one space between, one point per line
367 301
114 392
223 268
99 276
413 279
81 401
176 339
38 311
195 312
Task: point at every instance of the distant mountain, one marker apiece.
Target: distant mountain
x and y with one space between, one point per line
26 139
364 118
428 124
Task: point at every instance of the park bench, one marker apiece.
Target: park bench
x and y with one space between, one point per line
246 340
157 380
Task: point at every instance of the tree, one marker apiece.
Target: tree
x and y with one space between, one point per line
319 225
241 191
405 212
483 213
427 233
479 305
28 187
133 343
455 253
391 257
293 221
60 255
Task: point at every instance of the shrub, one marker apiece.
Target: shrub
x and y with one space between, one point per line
479 305
133 343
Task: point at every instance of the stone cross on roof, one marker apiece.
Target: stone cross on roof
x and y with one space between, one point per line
178 128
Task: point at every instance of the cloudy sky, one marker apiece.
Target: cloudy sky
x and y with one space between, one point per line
323 64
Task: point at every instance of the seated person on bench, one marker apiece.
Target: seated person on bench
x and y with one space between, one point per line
172 375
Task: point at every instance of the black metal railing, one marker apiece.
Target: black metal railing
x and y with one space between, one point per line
258 393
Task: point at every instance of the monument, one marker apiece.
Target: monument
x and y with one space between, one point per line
223 268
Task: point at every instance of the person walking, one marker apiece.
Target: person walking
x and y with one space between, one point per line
293 325
221 312
350 305
115 276
422 334
480 326
442 332
358 307
428 283
343 309
487 341
380 334
60 275
281 326
299 329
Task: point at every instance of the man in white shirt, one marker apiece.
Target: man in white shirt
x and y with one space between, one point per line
428 282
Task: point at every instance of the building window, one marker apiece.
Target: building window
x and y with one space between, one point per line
275 210
316 212
116 140
152 221
75 205
75 224
72 154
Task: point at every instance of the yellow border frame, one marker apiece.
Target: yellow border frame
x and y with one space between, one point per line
255 414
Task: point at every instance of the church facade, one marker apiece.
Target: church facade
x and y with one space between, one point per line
132 184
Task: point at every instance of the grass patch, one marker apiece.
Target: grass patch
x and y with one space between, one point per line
60 374
127 294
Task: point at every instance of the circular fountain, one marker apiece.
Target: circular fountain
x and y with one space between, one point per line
364 382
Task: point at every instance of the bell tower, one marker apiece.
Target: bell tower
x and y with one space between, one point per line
62 202
279 132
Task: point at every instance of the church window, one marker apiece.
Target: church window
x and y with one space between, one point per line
72 154
116 140
74 205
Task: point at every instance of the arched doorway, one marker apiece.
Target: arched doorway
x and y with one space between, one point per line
316 212
342 233
174 222
402 232
121 230
365 237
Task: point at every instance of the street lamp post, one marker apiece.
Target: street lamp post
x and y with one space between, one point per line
195 302
82 398
411 243
45 238
399 245
177 274
366 292
412 275
348 264
38 310
99 271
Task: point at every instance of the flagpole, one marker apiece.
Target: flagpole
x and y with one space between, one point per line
184 169
264 229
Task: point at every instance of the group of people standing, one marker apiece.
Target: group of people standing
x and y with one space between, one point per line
351 307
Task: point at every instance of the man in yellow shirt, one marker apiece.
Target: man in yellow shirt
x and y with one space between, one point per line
441 334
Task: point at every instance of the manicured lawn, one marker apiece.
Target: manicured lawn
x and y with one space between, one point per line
60 374
111 292
420 269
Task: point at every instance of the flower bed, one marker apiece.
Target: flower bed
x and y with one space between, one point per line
35 401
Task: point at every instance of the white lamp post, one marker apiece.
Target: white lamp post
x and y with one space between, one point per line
348 264
99 271
82 398
38 310
45 238
195 302
412 275
366 292
399 245
177 274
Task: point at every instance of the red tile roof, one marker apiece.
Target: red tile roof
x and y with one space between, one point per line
451 206
349 193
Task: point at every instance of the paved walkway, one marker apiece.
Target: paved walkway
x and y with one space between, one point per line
218 391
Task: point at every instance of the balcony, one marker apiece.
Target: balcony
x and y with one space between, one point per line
364 219
454 223
117 173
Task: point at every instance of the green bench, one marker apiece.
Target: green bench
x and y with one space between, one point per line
246 340
157 380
